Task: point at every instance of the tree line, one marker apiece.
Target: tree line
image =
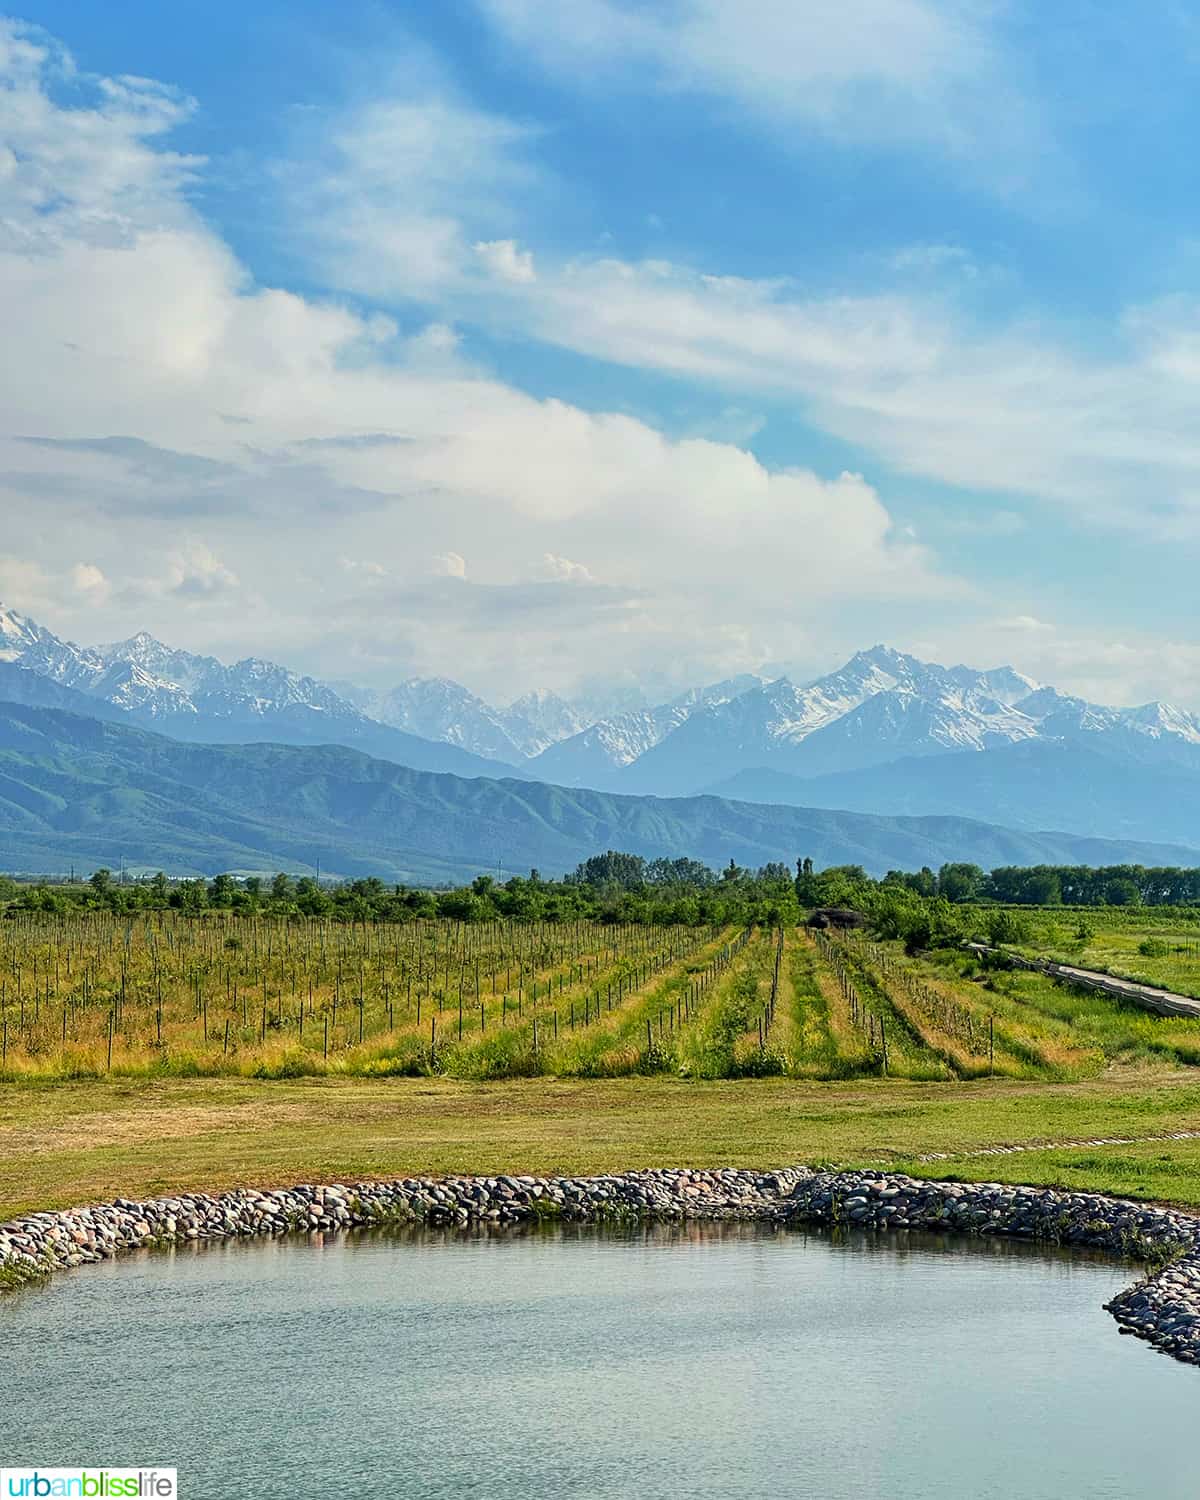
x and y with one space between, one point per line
621 887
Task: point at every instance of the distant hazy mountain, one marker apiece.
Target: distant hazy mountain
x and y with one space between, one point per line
541 718
84 792
439 709
19 685
199 698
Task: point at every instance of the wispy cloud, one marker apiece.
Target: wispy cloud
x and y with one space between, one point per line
884 72
388 196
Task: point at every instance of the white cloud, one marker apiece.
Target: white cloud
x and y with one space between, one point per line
90 581
34 586
505 259
563 570
884 71
362 569
27 583
84 174
197 573
449 565
381 195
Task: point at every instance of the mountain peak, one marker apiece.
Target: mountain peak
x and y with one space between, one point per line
135 647
16 627
1163 718
887 658
882 652
537 698
13 625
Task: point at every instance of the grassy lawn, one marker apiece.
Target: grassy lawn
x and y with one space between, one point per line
69 1143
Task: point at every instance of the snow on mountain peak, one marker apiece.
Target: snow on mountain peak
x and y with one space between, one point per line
882 702
1157 719
15 634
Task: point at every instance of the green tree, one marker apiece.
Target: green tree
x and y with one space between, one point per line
960 882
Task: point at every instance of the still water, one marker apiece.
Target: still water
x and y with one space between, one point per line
711 1361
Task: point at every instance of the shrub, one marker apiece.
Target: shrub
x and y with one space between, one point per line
1008 927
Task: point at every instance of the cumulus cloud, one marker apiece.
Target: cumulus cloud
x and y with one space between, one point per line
65 591
197 573
505 259
89 580
26 583
563 570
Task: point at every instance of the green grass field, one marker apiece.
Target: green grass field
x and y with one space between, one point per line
63 1144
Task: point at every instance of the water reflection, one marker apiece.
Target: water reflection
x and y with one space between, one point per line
702 1359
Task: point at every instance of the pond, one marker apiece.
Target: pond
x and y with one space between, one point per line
700 1361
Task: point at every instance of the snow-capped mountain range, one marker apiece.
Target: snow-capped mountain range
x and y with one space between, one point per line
193 697
608 746
881 707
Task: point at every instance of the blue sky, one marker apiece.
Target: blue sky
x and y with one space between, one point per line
585 342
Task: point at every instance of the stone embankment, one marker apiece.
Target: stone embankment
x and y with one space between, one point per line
1165 1309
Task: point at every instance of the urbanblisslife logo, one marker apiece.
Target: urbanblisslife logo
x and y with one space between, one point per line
88 1484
